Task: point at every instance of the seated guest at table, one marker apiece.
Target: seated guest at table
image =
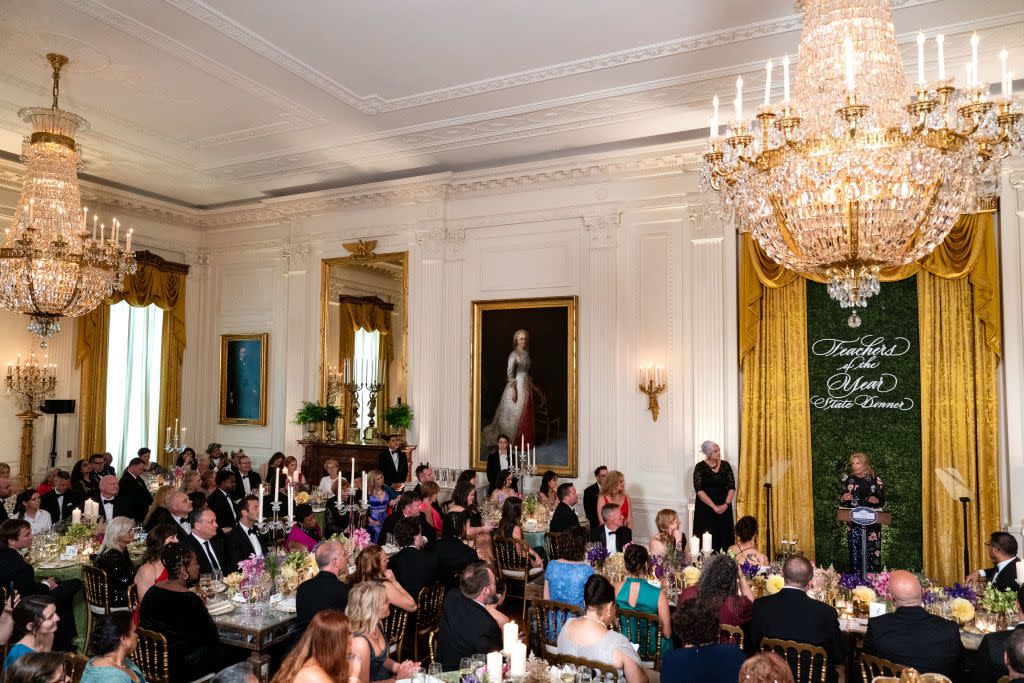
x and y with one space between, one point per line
413 568
35 667
408 506
1014 656
247 482
113 643
372 565
547 493
912 637
612 533
113 559
152 571
989 664
336 522
451 550
467 475
791 614
478 533
208 483
745 549
268 472
367 608
158 509
701 659
203 541
16 574
1002 550
179 507
429 506
322 653
187 459
424 474
591 637
244 540
62 499
148 466
613 490
80 479
28 509
108 464
467 628
766 667
724 589
635 593
329 482
670 536
564 517
510 526
565 577
189 482
590 495
111 502
292 473
35 623
46 485
180 615
326 590
307 532
133 491
222 501
501 489
378 500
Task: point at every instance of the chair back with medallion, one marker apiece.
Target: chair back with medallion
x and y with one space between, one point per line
394 631
152 657
428 614
512 556
809 663
551 544
733 634
873 667
644 630
97 596
545 621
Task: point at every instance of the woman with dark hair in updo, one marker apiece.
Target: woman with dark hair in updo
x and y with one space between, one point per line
591 636
745 550
701 658
565 577
724 589
636 593
113 643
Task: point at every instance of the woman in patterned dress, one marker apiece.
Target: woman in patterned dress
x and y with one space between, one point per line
862 488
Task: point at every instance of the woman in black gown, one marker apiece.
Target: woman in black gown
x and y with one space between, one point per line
715 485
863 488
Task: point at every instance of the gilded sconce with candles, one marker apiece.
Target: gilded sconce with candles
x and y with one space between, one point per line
653 382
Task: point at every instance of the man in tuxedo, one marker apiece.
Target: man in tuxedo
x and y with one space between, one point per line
149 467
590 495
17 574
910 635
990 662
112 504
135 495
207 549
408 506
500 459
326 590
393 463
467 628
1002 550
220 501
244 540
247 482
108 465
791 614
452 552
179 507
1014 656
96 464
425 473
612 534
62 499
564 517
413 568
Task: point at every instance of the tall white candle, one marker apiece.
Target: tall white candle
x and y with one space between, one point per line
920 59
851 81
739 99
339 487
768 83
509 636
714 116
694 546
291 502
785 80
940 41
1003 81
261 504
277 489
494 663
352 479
366 498
517 663
974 60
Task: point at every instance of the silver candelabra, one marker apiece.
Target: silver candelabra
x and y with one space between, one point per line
276 522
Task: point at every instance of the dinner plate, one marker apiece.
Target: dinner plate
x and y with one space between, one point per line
219 608
287 605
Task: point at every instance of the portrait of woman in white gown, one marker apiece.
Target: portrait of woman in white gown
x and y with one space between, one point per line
514 413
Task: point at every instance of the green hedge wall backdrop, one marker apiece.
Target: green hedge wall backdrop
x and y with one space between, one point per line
865 392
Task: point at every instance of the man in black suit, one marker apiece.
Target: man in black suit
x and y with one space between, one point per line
612 534
204 543
1014 656
498 460
413 568
990 662
244 540
326 590
108 465
16 573
425 473
467 628
247 482
564 517
590 495
1002 550
791 615
135 495
393 463
148 467
408 506
111 503
97 463
179 507
452 552
62 499
220 501
910 635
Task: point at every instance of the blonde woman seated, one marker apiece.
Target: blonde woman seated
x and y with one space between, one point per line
613 490
669 536
372 567
161 501
745 549
366 611
322 654
329 482
590 637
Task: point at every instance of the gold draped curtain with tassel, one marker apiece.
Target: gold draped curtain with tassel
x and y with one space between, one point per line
959 320
373 315
158 282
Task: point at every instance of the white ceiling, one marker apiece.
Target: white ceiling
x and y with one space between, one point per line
222 101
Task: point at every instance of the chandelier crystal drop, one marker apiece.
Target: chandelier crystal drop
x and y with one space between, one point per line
860 170
51 265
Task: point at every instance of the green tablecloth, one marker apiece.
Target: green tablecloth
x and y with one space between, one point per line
81 609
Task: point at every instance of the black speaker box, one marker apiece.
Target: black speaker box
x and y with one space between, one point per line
58 407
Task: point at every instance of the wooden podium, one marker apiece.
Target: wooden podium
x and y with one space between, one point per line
863 516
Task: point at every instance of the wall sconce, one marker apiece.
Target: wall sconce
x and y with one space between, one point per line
652 383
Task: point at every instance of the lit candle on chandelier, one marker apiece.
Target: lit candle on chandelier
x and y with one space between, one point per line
768 83
738 102
785 80
1005 85
851 82
940 50
920 60
974 60
714 116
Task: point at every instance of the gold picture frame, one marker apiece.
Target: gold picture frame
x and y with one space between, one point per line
240 403
551 372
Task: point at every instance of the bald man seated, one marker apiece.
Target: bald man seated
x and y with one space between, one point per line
910 636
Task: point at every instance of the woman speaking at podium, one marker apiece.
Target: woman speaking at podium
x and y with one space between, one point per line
862 488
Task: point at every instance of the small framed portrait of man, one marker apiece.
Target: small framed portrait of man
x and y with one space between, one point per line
243 379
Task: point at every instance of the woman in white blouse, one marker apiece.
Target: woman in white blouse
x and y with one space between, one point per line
28 510
329 484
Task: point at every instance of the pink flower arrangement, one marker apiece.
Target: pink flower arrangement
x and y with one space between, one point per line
178 472
252 572
880 582
361 538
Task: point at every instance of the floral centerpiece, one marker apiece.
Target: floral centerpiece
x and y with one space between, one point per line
615 567
998 601
233 582
963 592
301 498
825 583
865 595
252 584
773 584
691 575
297 567
597 553
880 584
962 610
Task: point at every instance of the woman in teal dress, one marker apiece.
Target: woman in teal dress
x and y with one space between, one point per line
638 594
114 639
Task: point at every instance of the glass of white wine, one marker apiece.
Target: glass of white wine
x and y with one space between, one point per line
568 674
205 583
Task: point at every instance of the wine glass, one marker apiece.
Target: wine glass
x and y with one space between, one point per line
435 670
206 583
218 576
568 674
465 666
584 675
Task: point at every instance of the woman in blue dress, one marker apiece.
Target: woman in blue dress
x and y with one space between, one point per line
378 500
565 577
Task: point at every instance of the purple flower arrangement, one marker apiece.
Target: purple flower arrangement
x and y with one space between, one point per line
965 592
657 567
597 554
851 580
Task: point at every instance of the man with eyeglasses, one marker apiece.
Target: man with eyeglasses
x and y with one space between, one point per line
1002 550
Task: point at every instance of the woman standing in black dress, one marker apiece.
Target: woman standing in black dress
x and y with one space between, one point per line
863 488
715 485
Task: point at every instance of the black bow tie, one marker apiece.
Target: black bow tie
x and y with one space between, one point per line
184 521
108 502
253 533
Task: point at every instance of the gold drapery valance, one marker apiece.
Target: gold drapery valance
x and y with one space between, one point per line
155 282
959 319
372 314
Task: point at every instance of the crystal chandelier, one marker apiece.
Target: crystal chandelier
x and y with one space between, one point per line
50 265
860 170
29 383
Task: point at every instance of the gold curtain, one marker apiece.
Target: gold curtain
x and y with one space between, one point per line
158 282
374 315
959 319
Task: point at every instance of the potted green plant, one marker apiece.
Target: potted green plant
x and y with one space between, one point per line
310 415
399 417
331 415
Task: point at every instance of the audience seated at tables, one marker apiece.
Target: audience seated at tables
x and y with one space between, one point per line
700 657
990 663
208 483
36 667
322 653
158 509
464 500
613 490
35 623
111 502
451 550
745 550
424 474
590 495
467 628
178 506
306 533
1014 656
413 568
791 614
81 479
1002 550
247 481
372 566
114 641
203 541
766 667
244 540
724 587
329 482
222 501
152 570
133 492
62 499
46 485
429 507
670 537
564 517
612 534
28 509
113 559
591 637
510 526
408 506
501 489
187 459
565 577
366 611
326 590
547 493
635 593
189 482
